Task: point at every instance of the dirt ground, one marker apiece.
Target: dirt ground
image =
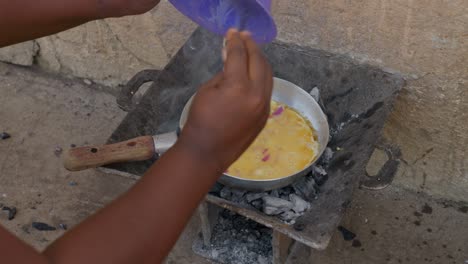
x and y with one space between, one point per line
46 114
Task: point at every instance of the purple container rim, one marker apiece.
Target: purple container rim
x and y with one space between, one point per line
269 38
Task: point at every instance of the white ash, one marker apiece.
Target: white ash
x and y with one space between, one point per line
237 240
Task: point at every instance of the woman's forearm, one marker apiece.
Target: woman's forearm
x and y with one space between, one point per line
22 20
142 225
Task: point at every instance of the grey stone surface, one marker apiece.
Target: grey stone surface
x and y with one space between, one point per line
427 43
20 54
43 113
111 51
384 221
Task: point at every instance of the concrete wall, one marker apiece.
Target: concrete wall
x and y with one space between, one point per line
426 41
109 51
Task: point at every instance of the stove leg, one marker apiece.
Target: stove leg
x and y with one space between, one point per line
300 254
208 214
281 244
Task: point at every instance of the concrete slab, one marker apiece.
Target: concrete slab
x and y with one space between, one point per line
42 112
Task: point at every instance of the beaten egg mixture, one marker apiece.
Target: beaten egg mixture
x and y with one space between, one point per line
285 146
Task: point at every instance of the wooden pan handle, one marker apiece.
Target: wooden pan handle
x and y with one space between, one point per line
140 148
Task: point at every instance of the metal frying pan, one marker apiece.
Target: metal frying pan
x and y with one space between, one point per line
146 147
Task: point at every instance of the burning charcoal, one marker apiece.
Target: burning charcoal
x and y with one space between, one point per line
254 196
326 156
347 235
289 216
11 212
286 190
237 195
320 179
43 226
300 205
318 170
258 204
274 193
315 93
305 188
4 135
271 210
273 205
226 193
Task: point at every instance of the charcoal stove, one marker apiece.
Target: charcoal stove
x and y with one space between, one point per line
357 99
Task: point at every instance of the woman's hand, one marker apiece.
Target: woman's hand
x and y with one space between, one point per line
20 22
118 8
230 110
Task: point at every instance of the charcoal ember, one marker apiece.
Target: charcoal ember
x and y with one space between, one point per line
269 210
274 193
326 156
289 216
274 206
319 174
286 190
42 226
225 193
258 204
11 212
4 135
319 170
315 93
250 197
300 205
347 235
306 188
320 179
237 195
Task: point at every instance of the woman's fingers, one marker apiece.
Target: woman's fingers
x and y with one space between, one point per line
259 69
235 67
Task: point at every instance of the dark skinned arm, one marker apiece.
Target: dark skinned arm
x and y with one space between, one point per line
143 224
22 20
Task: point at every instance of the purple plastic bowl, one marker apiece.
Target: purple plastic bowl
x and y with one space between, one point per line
220 15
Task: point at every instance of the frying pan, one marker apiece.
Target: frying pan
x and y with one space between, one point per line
146 147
